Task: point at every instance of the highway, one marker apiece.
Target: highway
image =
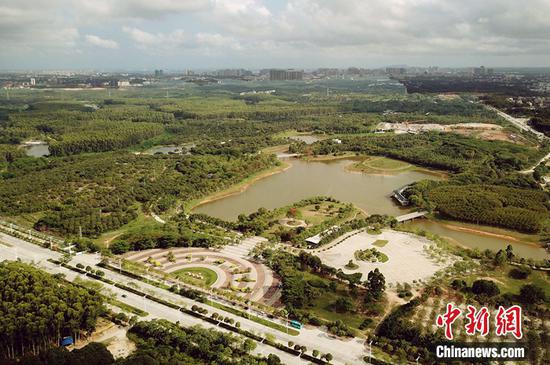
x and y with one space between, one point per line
344 351
521 123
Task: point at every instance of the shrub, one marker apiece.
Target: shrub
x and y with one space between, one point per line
531 294
485 287
520 273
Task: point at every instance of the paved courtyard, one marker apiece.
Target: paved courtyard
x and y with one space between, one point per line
234 270
407 259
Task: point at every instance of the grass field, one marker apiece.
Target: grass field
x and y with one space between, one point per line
507 284
265 322
322 305
209 277
141 222
128 308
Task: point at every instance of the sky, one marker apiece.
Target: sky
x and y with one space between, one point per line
203 34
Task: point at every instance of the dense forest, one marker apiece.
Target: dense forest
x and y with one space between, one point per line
113 136
437 150
520 209
109 186
37 310
92 183
417 104
182 233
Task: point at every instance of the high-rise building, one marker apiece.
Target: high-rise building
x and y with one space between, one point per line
159 73
480 71
395 71
283 75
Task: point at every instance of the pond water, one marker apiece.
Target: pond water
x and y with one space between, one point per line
472 240
164 150
37 150
305 138
367 191
306 179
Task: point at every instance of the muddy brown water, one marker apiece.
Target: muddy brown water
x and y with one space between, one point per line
370 192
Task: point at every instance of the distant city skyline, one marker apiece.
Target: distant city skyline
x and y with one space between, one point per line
254 34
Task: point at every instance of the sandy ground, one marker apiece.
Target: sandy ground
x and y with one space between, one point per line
480 130
407 259
114 337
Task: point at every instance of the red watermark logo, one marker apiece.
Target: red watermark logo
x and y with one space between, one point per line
507 320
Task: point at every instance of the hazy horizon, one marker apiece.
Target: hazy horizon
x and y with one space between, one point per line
208 34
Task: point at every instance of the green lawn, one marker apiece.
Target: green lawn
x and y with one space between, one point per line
385 163
380 243
256 319
128 308
142 222
507 284
209 277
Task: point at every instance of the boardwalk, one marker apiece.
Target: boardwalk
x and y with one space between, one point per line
410 216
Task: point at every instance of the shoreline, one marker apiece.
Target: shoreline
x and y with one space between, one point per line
240 187
480 232
391 172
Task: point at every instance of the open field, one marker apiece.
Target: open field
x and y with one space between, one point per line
478 130
406 262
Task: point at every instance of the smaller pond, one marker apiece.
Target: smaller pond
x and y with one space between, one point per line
308 139
37 149
480 241
164 150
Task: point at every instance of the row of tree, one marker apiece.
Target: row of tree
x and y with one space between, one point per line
109 186
520 209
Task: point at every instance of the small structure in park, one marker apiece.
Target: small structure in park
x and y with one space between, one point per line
314 240
398 195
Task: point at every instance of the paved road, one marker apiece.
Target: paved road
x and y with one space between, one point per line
532 168
30 253
521 123
157 218
344 351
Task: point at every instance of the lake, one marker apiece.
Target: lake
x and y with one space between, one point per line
369 192
306 179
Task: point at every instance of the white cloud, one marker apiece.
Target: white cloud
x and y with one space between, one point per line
100 42
143 39
26 24
216 40
142 9
309 31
